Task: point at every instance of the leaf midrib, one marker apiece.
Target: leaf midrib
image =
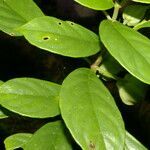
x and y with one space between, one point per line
91 101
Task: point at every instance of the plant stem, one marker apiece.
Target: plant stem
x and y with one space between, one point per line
136 27
107 15
96 64
116 11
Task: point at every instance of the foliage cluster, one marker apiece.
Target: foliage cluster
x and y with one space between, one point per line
89 113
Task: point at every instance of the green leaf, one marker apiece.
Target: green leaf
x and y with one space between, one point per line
14 13
97 4
2 115
131 90
1 82
17 140
30 97
90 112
142 1
143 24
132 144
128 47
51 136
133 14
61 37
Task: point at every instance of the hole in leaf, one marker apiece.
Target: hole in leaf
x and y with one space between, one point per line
59 23
12 34
92 145
45 38
72 23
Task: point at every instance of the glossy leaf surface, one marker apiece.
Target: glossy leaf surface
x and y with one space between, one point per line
51 136
14 13
90 112
96 4
17 140
128 47
2 115
61 37
132 144
30 97
142 1
131 90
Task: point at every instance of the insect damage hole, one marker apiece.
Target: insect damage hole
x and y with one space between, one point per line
92 145
59 23
12 34
45 38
